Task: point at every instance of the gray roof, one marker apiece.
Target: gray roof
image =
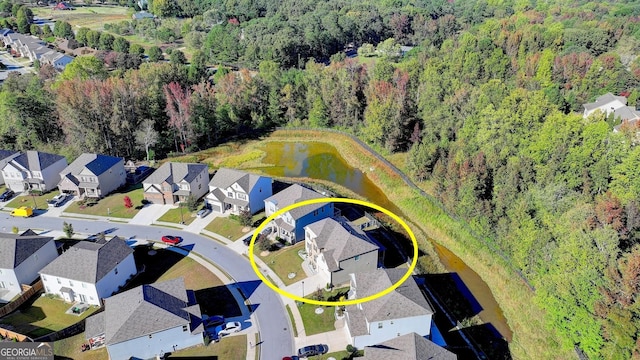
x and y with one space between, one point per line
6 153
295 194
626 113
174 173
603 100
407 347
36 160
94 325
339 241
95 163
406 301
89 262
15 249
224 178
144 310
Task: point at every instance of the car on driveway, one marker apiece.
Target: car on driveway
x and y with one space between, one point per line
313 350
228 328
57 200
212 320
170 239
7 195
204 212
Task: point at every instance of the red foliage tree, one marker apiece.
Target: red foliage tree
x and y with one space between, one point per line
127 202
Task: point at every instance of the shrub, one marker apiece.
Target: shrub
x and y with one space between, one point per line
127 202
351 348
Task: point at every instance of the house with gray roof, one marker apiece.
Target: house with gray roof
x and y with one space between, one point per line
290 225
235 191
402 311
56 59
22 45
93 175
147 321
336 250
90 271
174 182
407 347
606 103
22 256
33 170
5 157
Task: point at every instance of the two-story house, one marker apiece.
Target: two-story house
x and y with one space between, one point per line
290 225
21 257
93 175
5 157
400 312
407 347
147 322
89 272
235 191
33 170
336 250
175 182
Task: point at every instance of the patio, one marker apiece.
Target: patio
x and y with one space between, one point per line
77 309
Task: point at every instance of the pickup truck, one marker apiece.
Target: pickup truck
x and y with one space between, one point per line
24 211
57 200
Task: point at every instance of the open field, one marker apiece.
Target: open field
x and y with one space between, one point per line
93 17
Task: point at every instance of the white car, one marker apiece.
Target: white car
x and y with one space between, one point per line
57 200
229 328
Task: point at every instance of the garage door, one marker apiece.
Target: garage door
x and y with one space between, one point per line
216 208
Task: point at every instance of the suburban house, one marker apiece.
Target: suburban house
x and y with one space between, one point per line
89 271
403 311
93 175
21 257
407 347
174 182
142 15
235 191
22 45
58 60
5 157
147 322
606 103
33 170
336 250
290 225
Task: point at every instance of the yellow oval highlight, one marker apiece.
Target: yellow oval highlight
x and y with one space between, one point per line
334 200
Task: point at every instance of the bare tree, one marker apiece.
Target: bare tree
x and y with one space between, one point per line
147 136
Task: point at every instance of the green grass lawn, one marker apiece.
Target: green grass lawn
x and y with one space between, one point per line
70 348
28 200
293 322
224 226
44 316
112 205
317 323
93 17
178 215
229 348
338 355
186 268
285 261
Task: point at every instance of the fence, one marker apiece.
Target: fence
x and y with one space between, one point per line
11 335
69 331
27 293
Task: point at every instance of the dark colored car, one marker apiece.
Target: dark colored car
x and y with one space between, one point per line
8 194
170 239
213 320
313 350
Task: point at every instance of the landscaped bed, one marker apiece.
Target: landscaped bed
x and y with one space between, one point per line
112 205
284 262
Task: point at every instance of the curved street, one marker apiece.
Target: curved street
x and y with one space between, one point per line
273 323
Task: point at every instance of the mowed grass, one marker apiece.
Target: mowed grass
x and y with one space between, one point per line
229 348
93 17
317 323
178 215
112 205
227 227
70 348
44 316
285 261
29 200
186 268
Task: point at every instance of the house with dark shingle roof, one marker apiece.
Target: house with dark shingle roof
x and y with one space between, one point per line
89 272
93 175
290 225
336 250
5 157
407 347
21 258
34 170
235 191
174 182
147 321
402 311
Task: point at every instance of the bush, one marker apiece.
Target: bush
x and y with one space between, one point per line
351 348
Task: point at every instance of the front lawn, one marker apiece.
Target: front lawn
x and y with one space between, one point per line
285 261
112 205
339 355
178 215
186 268
29 200
70 348
317 323
224 226
44 316
229 348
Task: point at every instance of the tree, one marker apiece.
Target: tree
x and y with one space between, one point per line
155 54
34 29
177 57
84 67
192 203
245 218
62 29
121 45
23 21
106 41
147 136
67 228
136 49
93 39
178 109
127 202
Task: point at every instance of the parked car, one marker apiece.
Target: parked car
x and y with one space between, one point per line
57 200
313 350
228 328
212 320
170 239
24 211
292 357
204 212
7 195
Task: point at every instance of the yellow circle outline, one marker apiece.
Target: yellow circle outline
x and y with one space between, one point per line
333 303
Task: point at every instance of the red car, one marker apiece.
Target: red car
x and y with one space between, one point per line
173 240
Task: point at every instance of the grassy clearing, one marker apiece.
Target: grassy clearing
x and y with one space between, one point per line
224 226
70 348
286 261
185 268
40 201
112 205
241 160
229 348
93 17
44 316
293 322
317 323
178 215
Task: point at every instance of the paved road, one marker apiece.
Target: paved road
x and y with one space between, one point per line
277 338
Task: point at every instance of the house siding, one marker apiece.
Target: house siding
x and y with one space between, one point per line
10 281
299 224
145 347
51 175
112 281
52 286
4 162
13 178
261 190
393 328
112 179
28 270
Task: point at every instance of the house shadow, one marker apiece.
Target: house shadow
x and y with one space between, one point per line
247 288
451 290
152 263
218 300
489 340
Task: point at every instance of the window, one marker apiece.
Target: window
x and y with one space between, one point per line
242 196
84 285
59 282
115 271
379 325
90 297
356 258
184 328
315 212
150 336
70 283
36 257
43 277
48 290
230 194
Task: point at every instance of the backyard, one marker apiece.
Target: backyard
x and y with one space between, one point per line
229 348
70 348
284 262
112 205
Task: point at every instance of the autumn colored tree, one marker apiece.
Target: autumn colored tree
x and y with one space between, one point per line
179 111
127 202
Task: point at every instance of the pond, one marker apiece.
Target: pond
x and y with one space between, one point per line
322 161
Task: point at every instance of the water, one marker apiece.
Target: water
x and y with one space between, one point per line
321 161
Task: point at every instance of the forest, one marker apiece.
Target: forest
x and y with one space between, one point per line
487 108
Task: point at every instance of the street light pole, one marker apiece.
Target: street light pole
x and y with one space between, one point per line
33 196
181 216
303 288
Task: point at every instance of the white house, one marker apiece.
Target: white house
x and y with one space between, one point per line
147 322
336 250
89 272
290 225
21 257
235 191
407 347
33 170
606 103
93 175
174 182
5 157
403 311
